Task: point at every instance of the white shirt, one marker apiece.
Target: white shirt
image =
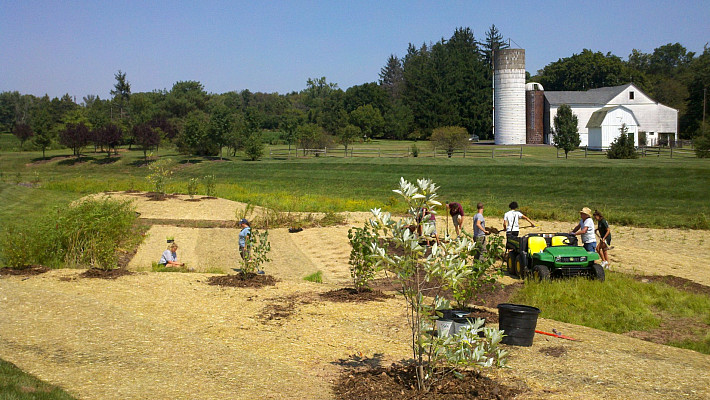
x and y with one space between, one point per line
511 220
589 236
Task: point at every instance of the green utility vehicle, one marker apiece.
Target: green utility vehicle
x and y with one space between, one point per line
545 255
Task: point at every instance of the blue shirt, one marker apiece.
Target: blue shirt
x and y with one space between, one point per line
243 236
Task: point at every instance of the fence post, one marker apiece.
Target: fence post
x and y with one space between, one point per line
671 151
585 150
464 152
493 152
434 151
521 152
379 152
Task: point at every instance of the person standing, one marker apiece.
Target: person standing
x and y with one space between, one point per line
479 230
585 229
244 238
511 219
605 235
456 212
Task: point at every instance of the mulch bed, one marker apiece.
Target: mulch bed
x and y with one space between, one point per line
351 295
155 196
250 280
554 351
399 382
105 273
27 271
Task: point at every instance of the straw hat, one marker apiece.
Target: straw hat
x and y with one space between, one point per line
587 211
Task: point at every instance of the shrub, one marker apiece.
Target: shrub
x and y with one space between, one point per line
702 142
363 266
623 146
415 150
450 138
210 185
160 173
192 186
87 233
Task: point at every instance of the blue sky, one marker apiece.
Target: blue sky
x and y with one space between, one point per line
76 47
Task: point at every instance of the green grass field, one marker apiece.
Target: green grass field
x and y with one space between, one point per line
654 192
18 385
621 304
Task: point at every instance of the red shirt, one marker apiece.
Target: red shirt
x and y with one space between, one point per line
455 208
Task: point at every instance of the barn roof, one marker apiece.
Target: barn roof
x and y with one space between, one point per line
592 96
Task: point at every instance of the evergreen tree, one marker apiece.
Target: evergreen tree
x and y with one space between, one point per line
392 77
494 41
623 146
565 132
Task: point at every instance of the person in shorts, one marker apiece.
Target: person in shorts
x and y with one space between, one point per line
585 229
456 212
605 234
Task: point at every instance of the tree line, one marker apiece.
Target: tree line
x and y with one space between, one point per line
434 85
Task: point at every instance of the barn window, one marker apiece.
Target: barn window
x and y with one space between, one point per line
631 95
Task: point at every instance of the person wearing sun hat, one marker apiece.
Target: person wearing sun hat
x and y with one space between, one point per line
585 228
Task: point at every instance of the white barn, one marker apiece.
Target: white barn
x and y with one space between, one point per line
605 125
656 123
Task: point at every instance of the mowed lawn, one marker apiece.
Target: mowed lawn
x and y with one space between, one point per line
659 192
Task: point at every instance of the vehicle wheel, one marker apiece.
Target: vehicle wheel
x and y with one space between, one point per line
512 257
519 266
598 272
541 273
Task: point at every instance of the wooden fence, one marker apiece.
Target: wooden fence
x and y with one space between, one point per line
645 151
471 152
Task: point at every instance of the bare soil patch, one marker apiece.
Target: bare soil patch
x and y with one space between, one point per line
105 273
27 271
250 280
399 382
676 282
351 295
283 307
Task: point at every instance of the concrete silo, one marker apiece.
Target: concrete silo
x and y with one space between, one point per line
509 96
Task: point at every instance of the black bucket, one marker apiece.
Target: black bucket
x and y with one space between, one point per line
518 322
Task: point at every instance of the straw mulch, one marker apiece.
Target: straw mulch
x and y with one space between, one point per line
172 335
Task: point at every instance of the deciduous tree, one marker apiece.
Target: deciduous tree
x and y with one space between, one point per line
565 132
23 132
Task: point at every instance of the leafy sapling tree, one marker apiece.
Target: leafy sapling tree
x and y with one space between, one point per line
160 173
417 272
257 250
76 137
623 146
565 132
192 185
210 185
363 266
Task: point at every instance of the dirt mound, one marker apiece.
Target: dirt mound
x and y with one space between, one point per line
399 382
27 271
354 296
105 273
250 280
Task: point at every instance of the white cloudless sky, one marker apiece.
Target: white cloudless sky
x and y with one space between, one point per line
76 47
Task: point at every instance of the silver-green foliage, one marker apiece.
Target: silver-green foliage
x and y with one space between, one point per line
417 270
